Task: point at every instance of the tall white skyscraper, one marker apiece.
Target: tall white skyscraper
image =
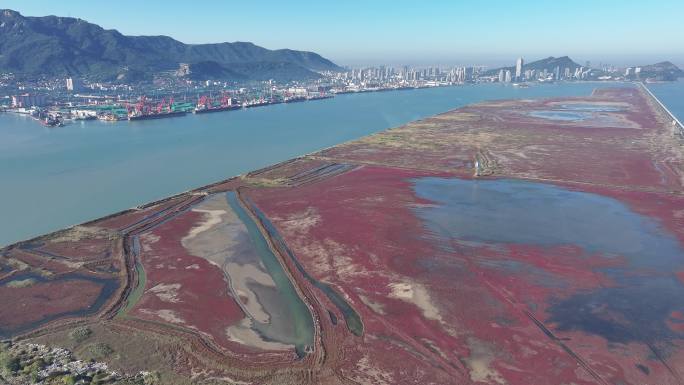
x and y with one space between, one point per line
518 68
73 84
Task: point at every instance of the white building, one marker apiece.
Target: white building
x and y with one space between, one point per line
28 100
518 68
73 84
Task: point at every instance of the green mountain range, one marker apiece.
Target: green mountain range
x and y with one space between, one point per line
55 46
661 71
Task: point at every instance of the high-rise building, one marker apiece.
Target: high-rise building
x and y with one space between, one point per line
28 100
518 69
502 76
469 74
508 76
73 84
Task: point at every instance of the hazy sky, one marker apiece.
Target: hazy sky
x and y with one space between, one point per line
355 32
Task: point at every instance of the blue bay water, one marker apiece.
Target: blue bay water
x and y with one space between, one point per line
671 94
53 178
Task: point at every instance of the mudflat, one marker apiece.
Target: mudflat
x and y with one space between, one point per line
508 242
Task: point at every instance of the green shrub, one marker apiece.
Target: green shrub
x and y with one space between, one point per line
80 334
98 378
9 363
152 378
97 351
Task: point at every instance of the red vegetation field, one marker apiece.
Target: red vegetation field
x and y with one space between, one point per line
436 308
27 307
461 313
183 289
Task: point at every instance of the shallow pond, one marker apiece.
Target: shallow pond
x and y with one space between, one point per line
559 115
505 211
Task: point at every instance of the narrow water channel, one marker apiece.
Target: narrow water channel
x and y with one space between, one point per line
297 314
351 317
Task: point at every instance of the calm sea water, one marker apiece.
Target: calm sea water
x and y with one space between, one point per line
672 95
53 178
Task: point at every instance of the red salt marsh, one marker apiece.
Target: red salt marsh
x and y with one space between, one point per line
404 282
31 301
183 289
484 306
639 153
501 243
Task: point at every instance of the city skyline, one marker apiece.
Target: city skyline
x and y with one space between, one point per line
395 33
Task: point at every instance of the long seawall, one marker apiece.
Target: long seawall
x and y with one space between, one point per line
678 127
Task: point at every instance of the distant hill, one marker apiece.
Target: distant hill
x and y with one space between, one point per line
550 63
662 71
212 70
54 45
259 70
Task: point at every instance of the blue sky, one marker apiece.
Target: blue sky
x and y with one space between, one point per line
355 32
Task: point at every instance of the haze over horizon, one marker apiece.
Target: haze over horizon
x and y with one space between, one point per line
402 32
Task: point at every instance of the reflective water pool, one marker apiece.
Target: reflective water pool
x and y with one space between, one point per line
559 115
499 212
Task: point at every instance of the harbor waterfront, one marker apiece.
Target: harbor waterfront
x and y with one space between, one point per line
57 177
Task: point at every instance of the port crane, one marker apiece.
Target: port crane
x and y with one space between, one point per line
143 107
206 102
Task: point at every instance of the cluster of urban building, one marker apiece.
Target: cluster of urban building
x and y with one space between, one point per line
519 74
171 93
388 77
